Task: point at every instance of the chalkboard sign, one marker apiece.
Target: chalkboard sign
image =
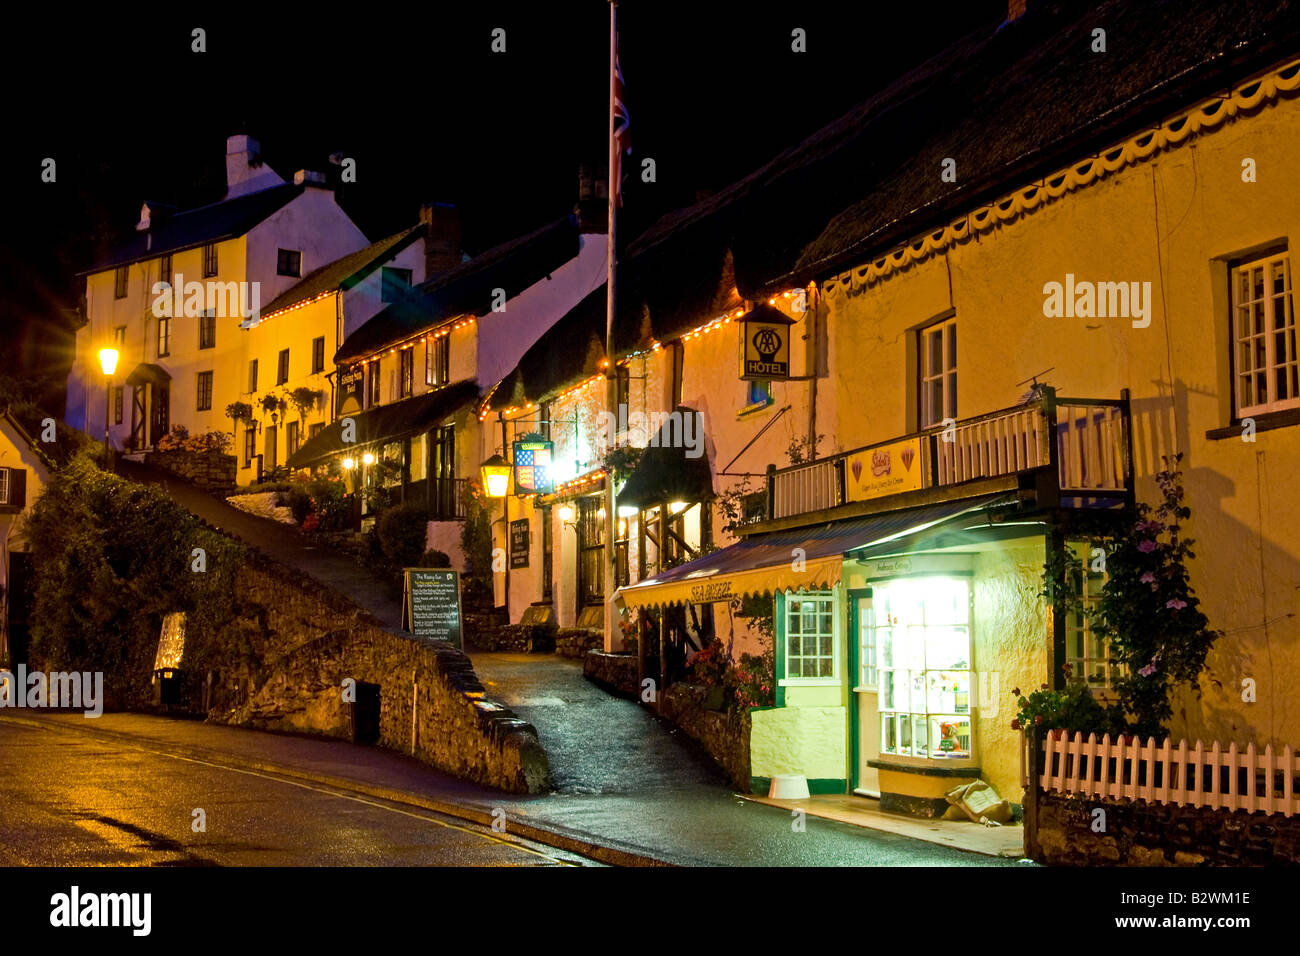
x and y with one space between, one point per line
519 543
431 604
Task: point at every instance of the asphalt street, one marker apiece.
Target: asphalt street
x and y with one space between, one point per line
67 799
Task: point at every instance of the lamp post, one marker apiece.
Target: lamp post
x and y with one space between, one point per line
108 362
496 484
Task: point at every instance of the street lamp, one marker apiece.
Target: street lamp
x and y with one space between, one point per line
108 362
496 476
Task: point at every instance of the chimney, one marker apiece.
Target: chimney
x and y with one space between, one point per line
309 178
245 171
592 209
152 215
442 251
1016 9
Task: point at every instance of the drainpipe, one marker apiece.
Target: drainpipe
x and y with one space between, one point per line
812 375
505 517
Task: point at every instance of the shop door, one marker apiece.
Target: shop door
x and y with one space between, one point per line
866 712
591 551
270 448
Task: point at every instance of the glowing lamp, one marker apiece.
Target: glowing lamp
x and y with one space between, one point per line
108 360
677 506
496 476
367 459
349 463
626 511
566 512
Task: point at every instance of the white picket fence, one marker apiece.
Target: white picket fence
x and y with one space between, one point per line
1231 779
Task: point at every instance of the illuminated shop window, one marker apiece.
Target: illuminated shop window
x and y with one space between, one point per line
923 642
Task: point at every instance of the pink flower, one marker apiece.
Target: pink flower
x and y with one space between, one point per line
1176 604
1148 670
1149 526
1148 578
1146 547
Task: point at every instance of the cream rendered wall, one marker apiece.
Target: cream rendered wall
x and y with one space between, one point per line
1172 222
365 299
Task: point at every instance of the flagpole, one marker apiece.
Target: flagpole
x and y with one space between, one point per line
611 373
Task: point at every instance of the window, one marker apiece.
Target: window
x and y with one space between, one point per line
677 354
437 360
938 354
288 262
393 282
119 283
753 507
13 487
204 402
314 429
1263 333
290 440
165 268
164 337
282 369
1085 652
208 330
372 391
252 375
406 375
623 386
119 337
250 445
758 395
921 632
809 635
544 420
118 391
318 354
209 260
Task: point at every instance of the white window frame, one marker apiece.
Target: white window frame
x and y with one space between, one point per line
831 599
1078 630
5 486
945 375
1247 339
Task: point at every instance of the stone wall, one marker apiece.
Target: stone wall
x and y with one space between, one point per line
1154 834
516 638
615 672
303 641
724 735
209 470
576 641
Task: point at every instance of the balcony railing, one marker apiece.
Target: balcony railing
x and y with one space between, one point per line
1091 456
444 497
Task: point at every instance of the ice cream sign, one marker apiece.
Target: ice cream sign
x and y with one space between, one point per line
884 470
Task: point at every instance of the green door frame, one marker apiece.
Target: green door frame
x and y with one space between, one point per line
855 653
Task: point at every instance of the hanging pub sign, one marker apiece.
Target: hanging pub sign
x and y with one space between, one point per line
765 344
351 385
533 472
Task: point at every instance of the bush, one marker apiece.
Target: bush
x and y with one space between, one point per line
435 559
111 558
298 500
402 532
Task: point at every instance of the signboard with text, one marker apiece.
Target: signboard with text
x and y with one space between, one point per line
351 386
884 470
765 347
431 604
519 543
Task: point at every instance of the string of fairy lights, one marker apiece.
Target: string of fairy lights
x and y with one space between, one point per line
698 332
418 338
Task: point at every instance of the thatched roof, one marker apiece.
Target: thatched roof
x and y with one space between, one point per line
1010 102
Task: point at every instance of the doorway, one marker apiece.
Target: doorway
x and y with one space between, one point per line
365 714
865 714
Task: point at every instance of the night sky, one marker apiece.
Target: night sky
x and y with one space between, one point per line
421 102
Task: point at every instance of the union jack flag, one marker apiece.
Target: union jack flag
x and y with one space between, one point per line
622 136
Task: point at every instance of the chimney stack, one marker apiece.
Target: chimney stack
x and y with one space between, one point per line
245 171
1016 9
442 251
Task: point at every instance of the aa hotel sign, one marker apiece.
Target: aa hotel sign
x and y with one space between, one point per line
765 344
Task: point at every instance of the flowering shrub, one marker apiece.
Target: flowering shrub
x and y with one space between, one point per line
179 439
1148 614
752 681
1073 709
709 666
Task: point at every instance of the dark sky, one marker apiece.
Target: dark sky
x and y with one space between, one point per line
418 98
